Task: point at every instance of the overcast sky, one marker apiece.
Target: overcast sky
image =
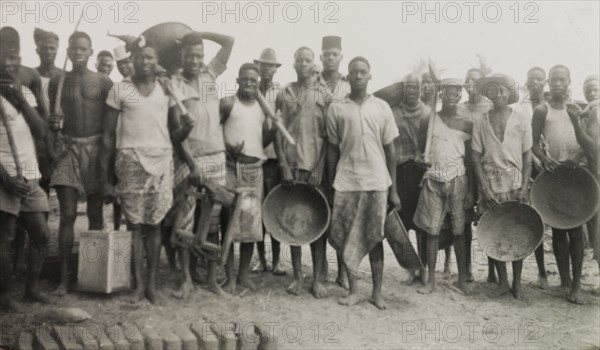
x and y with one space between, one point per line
393 35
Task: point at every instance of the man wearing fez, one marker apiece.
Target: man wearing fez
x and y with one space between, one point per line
337 87
77 169
197 82
360 133
21 198
268 64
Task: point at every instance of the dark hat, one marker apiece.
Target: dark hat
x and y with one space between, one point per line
268 56
9 40
490 85
331 42
40 36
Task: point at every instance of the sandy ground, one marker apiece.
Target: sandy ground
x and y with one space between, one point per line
446 319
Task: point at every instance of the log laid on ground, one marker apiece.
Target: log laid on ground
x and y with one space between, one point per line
207 339
151 339
188 339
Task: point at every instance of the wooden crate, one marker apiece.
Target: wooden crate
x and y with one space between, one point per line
104 261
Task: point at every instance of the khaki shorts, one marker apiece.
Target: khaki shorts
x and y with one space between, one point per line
36 200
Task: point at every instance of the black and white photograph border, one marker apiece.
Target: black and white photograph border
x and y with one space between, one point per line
295 179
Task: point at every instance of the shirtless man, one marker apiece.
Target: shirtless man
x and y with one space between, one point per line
552 121
302 106
77 170
46 48
447 186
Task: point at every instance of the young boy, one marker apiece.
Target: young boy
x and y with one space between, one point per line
360 134
446 184
502 156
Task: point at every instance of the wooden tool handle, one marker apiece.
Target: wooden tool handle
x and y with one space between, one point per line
277 121
11 141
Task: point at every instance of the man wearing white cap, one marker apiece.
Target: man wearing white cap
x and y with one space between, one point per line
124 64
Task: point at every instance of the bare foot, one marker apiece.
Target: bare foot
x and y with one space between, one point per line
351 299
196 277
295 288
542 282
427 288
318 290
575 297
412 277
462 286
215 288
137 295
492 278
277 270
260 267
184 290
470 277
61 290
229 286
246 283
377 300
36 297
154 297
519 295
499 291
342 281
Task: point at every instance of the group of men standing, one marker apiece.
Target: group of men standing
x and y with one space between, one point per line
129 141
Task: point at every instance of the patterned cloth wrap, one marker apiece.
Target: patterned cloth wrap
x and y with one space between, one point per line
181 216
145 183
247 178
357 224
